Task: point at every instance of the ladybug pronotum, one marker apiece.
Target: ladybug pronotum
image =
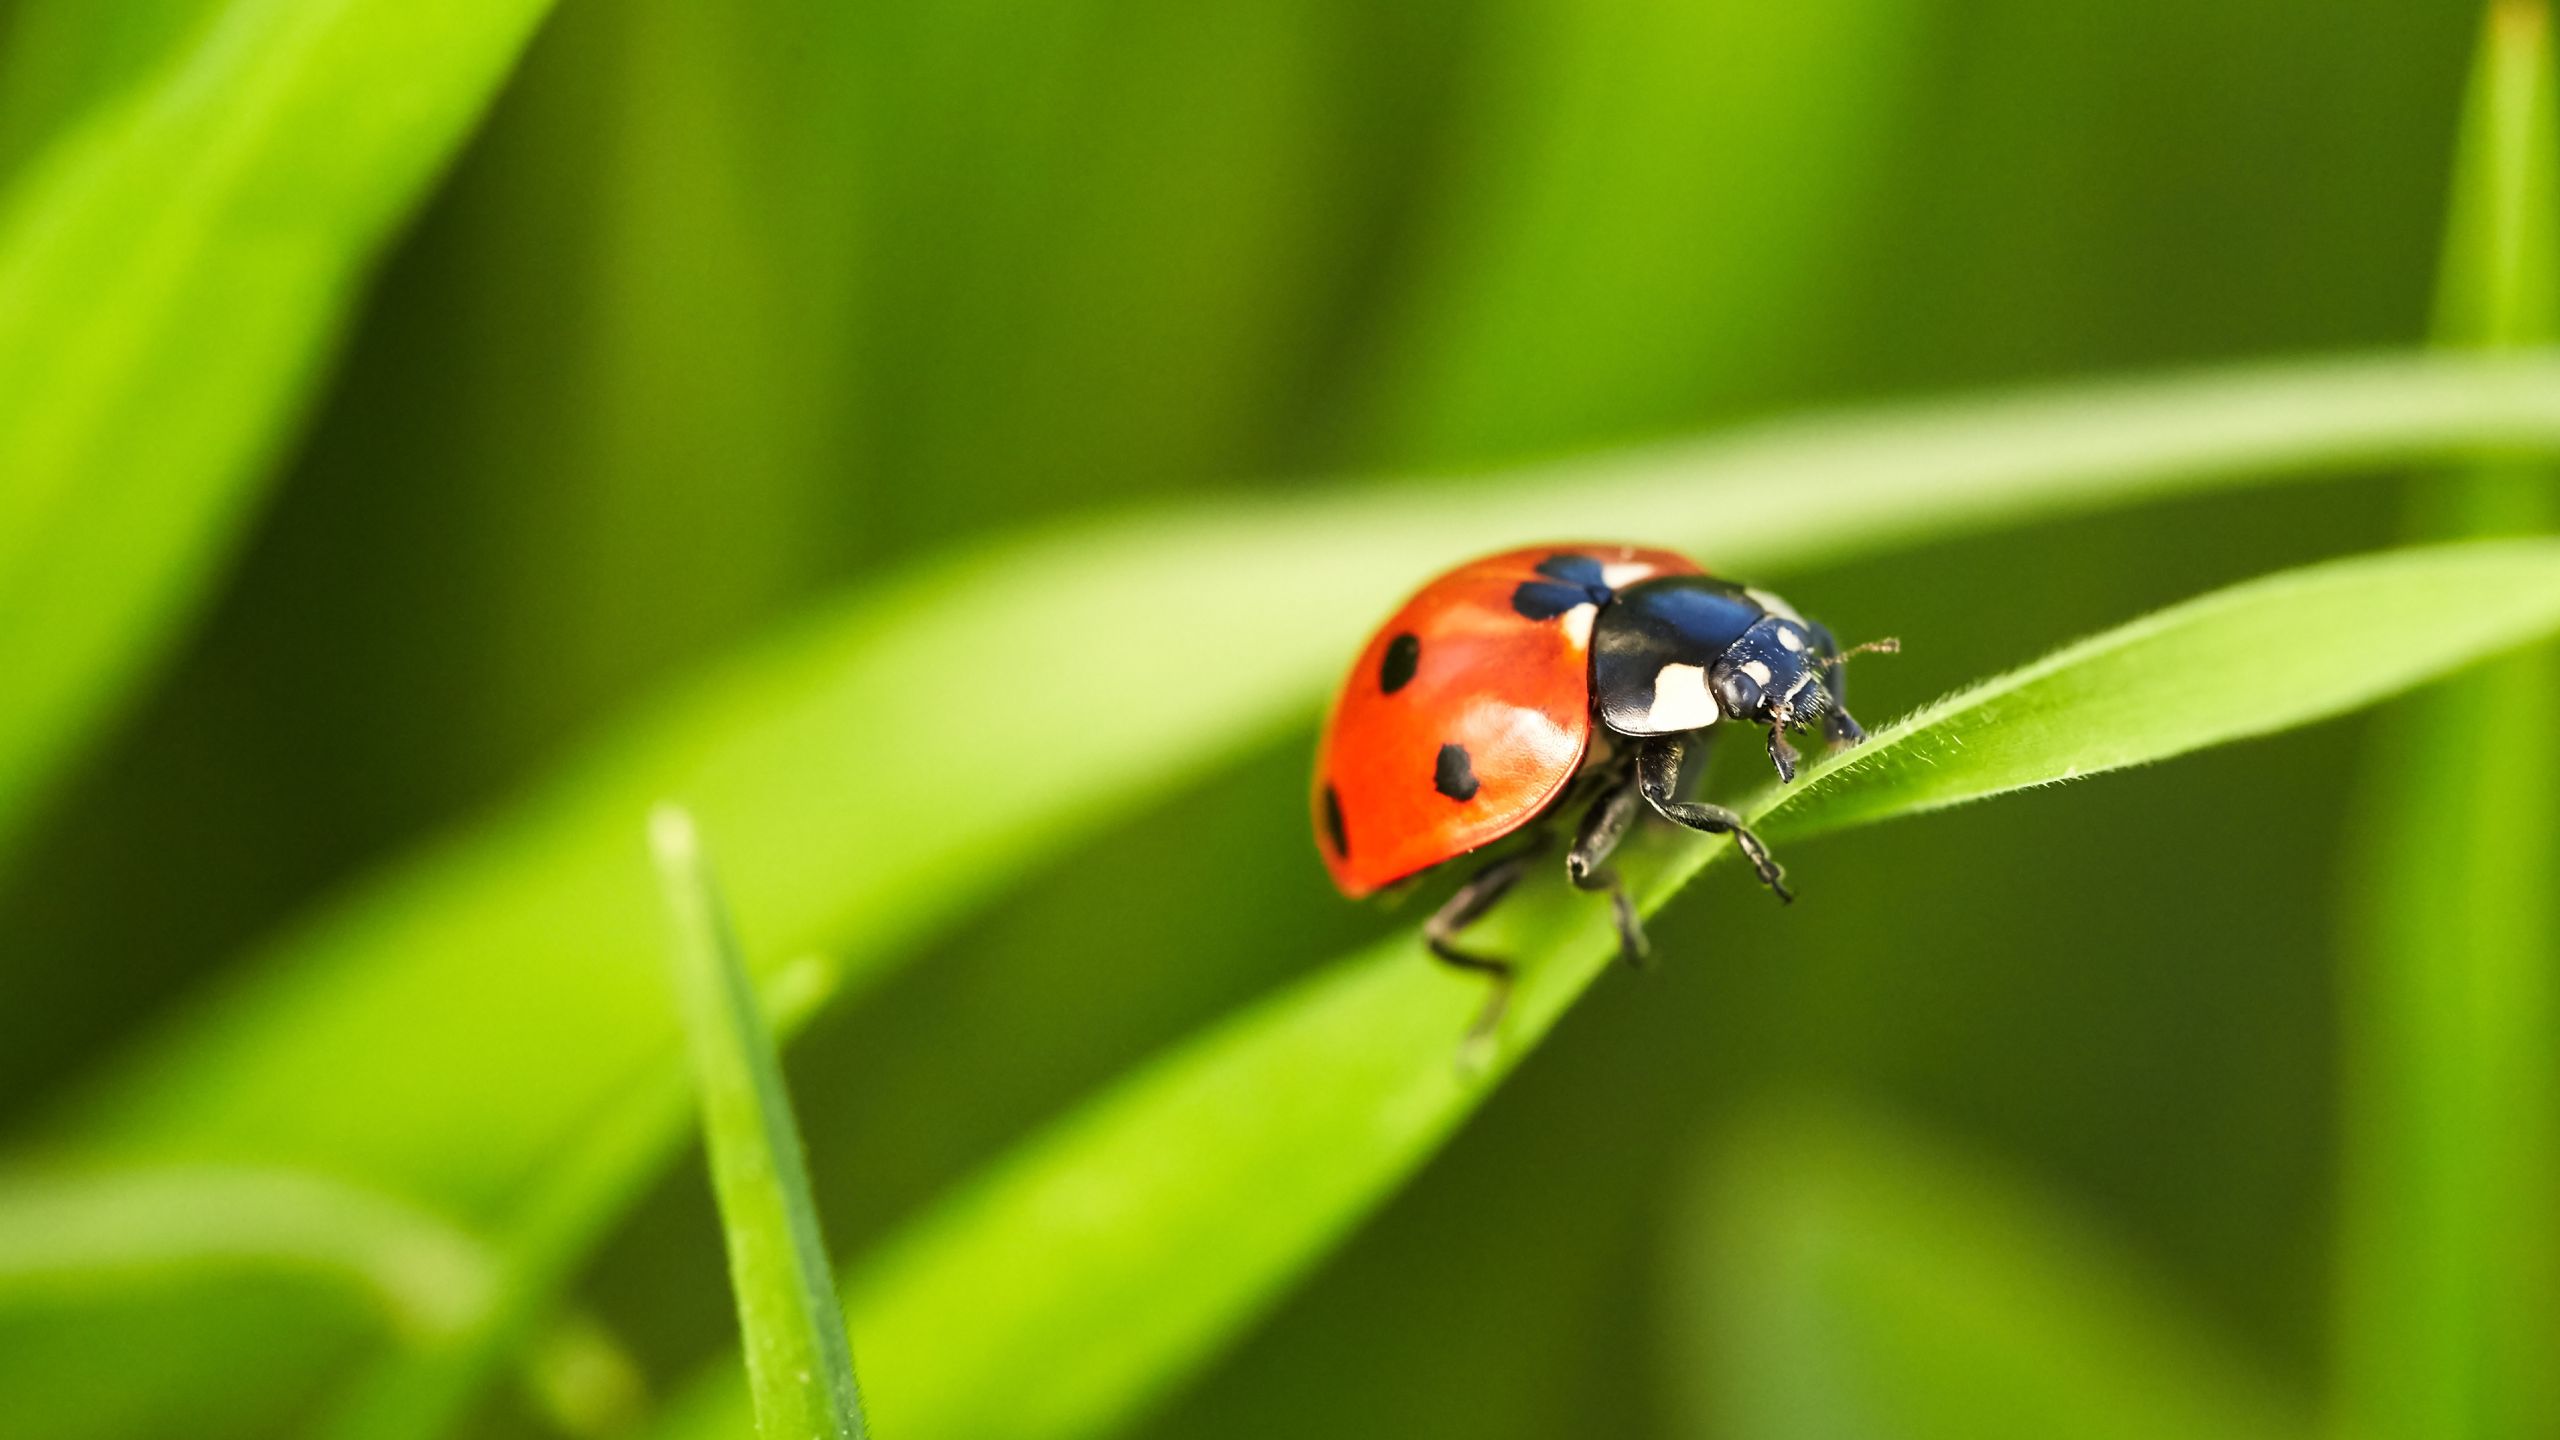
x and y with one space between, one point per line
1526 683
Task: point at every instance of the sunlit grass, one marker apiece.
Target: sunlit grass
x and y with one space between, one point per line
1183 1200
806 297
2448 1275
799 1366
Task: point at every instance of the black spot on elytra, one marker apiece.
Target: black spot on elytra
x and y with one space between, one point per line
1333 823
1571 580
1455 775
1577 569
1396 670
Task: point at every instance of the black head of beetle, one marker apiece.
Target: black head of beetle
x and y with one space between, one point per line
1682 652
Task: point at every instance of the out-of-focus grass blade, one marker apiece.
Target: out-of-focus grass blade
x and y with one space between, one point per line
875 708
426 1391
462 1307
74 1235
88 1240
1733 150
1183 1200
172 264
1845 1278
799 1366
2449 1278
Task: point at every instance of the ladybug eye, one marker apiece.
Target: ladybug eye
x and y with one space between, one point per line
1738 693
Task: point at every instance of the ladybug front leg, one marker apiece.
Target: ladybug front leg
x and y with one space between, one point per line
1465 908
1586 864
1658 778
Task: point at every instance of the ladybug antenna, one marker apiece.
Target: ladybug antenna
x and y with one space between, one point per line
1889 645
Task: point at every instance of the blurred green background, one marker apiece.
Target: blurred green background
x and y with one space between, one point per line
723 308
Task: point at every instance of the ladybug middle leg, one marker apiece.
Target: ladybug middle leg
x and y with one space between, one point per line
1658 778
1603 825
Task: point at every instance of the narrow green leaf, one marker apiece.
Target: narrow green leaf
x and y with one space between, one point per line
77 1234
96 1238
425 1391
2449 1281
1736 149
1183 1200
1845 1278
1247 610
173 264
799 1366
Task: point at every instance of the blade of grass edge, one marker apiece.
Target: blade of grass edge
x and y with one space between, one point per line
172 267
799 1364
1251 606
2448 1302
1184 1199
429 1390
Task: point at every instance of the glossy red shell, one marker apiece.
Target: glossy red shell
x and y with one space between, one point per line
1513 693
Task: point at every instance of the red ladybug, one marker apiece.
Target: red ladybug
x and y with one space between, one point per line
1520 684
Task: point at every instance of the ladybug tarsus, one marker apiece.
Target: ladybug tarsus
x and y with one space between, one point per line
1782 755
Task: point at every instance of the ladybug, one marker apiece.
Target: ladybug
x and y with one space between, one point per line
1520 685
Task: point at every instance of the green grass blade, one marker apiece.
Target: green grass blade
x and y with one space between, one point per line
97 1239
1846 1278
76 1235
173 264
1248 611
799 1366
1184 1199
2447 1283
1735 148
426 1391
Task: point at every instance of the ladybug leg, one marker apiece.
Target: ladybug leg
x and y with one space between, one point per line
1465 908
1603 825
1658 778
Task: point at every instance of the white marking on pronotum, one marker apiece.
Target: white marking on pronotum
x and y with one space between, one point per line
1758 672
1773 604
1680 700
1624 573
1577 623
1788 637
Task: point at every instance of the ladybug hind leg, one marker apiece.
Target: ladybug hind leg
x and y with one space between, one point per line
1465 908
1658 779
1603 825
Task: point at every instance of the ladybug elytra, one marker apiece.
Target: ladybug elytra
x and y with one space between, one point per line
1517 686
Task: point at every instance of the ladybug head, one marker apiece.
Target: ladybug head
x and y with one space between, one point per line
1770 677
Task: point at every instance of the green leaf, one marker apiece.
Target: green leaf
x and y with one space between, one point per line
1735 149
1846 1278
2449 1282
95 1239
797 751
1183 1200
798 1363
427 1390
77 1234
173 264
